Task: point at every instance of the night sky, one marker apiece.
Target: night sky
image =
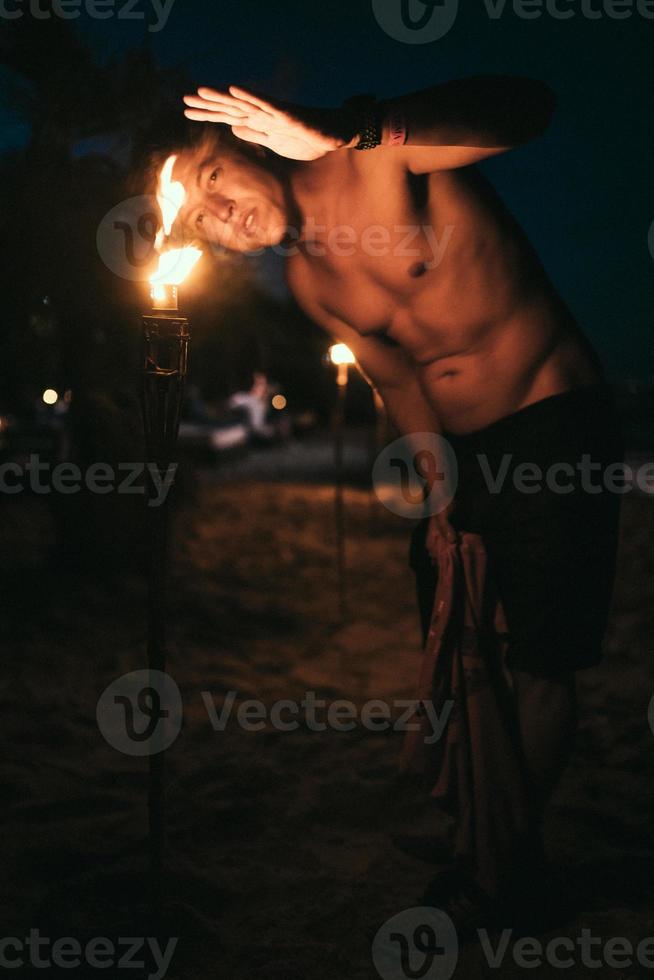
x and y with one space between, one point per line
584 192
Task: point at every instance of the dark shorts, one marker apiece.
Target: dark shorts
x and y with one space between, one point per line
551 553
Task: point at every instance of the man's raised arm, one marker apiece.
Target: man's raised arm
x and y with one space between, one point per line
449 125
488 111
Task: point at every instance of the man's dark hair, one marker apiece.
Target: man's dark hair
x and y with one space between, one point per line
208 138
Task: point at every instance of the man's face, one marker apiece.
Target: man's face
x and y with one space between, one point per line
230 200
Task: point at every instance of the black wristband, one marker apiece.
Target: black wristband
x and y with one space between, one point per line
365 110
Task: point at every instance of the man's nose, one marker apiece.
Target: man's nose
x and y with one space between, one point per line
225 209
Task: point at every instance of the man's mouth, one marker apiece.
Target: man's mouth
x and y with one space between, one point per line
246 223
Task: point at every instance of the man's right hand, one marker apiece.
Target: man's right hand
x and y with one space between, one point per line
439 530
295 132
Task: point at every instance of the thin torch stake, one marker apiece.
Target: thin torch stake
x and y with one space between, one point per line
165 338
376 442
157 577
339 504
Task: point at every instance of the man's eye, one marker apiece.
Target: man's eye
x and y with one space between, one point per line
215 174
199 219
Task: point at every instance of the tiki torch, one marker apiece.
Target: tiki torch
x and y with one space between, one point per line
164 363
342 357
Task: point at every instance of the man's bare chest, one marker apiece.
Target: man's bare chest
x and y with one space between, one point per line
380 250
428 265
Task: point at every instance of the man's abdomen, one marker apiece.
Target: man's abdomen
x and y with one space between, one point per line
515 366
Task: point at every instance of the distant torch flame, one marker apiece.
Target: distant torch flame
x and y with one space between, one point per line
341 354
175 263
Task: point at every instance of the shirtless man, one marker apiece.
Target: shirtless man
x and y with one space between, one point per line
473 342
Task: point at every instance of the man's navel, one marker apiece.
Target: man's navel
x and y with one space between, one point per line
417 269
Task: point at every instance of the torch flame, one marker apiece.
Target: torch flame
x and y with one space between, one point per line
170 197
174 264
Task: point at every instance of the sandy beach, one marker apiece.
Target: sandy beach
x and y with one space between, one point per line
281 860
